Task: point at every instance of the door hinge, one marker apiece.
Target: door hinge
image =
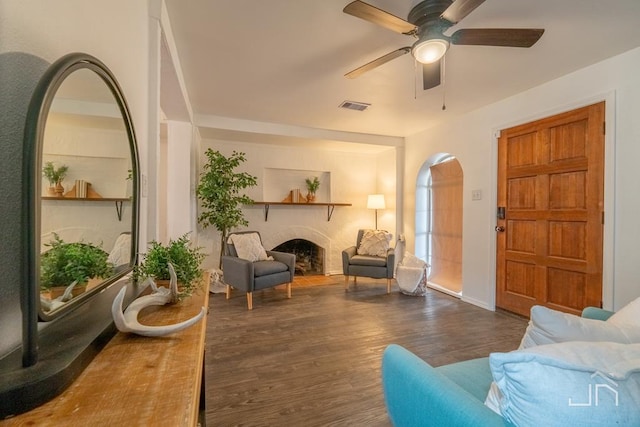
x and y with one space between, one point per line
602 217
604 128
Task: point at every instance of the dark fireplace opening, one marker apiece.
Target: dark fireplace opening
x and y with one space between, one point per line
309 256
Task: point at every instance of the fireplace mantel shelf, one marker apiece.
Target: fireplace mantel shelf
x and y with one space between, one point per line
330 206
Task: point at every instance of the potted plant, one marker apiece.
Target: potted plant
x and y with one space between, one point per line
219 193
312 187
64 263
186 260
55 176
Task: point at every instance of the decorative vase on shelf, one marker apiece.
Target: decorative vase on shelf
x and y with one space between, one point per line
311 197
51 191
59 189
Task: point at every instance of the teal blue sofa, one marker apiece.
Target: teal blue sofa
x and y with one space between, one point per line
417 394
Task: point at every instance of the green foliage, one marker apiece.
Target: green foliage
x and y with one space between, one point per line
219 192
65 262
312 184
186 260
54 175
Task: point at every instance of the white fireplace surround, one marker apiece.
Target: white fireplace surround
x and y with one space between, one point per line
273 238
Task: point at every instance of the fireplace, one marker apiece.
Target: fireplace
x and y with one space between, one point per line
309 256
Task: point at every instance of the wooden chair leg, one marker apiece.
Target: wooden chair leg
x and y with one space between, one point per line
289 290
346 282
228 293
250 300
388 286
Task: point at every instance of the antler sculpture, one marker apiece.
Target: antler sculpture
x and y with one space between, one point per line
128 321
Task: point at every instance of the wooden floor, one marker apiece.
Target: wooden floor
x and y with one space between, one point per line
314 360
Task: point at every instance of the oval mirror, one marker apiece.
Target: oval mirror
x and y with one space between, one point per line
83 185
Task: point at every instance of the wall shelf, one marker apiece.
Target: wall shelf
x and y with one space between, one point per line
330 206
118 201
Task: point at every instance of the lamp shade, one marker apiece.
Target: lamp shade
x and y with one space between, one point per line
375 201
429 50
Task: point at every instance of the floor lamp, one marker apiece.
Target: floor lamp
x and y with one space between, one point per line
376 201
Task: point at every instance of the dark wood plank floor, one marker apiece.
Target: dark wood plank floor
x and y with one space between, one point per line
314 360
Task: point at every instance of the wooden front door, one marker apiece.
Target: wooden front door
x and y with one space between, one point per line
549 236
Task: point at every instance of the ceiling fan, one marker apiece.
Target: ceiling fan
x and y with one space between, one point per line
427 21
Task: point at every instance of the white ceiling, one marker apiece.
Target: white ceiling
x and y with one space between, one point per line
283 62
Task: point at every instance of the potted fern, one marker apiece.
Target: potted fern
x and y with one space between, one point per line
180 252
65 263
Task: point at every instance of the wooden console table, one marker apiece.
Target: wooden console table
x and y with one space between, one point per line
135 380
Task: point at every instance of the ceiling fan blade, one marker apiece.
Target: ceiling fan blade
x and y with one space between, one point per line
509 37
431 75
459 9
365 11
377 62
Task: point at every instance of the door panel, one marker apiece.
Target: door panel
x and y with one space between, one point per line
551 182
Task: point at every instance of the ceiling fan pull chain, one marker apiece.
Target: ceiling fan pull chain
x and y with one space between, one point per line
444 86
415 80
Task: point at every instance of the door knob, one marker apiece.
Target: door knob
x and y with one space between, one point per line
500 228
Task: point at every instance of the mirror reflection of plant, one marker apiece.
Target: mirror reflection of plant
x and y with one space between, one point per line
63 263
186 260
54 175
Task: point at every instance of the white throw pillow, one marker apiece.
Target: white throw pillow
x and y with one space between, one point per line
248 247
549 326
627 315
375 243
573 383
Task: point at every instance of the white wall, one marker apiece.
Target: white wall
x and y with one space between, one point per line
471 139
179 178
353 177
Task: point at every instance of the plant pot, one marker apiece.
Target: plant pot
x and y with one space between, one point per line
59 189
93 282
311 197
58 291
51 191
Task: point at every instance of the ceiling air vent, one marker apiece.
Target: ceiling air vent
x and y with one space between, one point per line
352 105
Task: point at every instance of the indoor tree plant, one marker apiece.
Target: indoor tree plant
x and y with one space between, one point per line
219 193
55 176
184 257
64 263
312 187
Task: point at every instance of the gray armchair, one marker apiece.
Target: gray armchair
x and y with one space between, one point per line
252 276
367 265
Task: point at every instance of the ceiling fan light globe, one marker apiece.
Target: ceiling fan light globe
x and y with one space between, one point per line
430 50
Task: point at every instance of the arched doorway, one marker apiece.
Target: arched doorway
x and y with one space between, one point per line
439 221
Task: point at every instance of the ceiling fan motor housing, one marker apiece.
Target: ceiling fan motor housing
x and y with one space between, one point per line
427 17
